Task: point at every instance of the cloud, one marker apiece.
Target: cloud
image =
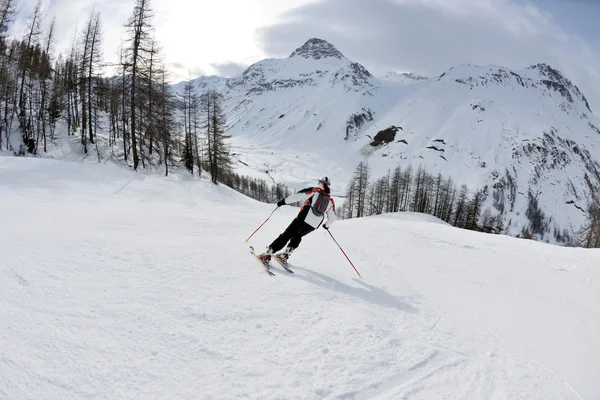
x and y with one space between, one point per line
195 34
180 72
229 68
182 39
430 36
177 65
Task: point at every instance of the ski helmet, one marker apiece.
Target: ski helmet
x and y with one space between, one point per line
325 180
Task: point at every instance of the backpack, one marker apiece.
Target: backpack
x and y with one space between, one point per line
320 205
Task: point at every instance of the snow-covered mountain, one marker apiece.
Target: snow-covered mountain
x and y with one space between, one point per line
528 137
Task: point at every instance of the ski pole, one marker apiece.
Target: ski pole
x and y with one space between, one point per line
261 224
344 253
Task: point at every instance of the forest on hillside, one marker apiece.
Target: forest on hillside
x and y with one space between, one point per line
131 102
418 190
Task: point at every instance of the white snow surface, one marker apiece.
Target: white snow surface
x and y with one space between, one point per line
124 285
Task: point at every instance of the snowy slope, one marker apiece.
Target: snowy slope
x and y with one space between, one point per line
117 285
516 132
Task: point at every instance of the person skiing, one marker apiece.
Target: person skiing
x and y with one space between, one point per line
317 204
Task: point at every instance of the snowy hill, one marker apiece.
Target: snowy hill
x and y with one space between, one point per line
528 137
123 285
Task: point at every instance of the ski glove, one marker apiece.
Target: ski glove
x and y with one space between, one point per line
325 227
281 203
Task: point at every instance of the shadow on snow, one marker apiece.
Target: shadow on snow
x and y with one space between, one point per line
370 293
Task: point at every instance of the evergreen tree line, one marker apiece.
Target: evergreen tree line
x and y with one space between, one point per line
418 191
204 145
257 189
145 122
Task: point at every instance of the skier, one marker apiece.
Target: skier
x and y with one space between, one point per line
317 205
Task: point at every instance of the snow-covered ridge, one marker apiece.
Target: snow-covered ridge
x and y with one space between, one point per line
553 79
403 77
540 76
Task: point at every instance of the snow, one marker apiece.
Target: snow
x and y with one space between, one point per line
124 285
404 77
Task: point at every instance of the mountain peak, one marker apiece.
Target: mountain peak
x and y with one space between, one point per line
548 71
316 49
553 79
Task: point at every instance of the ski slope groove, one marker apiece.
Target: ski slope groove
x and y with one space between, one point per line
124 285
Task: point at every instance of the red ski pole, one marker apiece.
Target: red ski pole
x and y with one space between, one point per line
261 225
344 253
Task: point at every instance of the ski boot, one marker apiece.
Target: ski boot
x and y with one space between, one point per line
266 257
284 256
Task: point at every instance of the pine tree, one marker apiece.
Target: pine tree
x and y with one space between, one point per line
83 72
590 234
215 125
196 128
350 203
152 82
474 210
72 88
406 188
448 198
44 77
139 27
56 103
361 178
26 61
165 120
8 10
114 111
124 88
395 190
92 63
460 214
437 195
378 195
186 105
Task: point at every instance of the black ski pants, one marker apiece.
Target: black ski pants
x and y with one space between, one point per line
293 234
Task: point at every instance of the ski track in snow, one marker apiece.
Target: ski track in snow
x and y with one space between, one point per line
117 285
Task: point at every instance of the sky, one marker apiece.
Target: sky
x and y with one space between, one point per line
223 37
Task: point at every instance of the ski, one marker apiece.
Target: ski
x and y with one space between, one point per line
282 264
265 266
